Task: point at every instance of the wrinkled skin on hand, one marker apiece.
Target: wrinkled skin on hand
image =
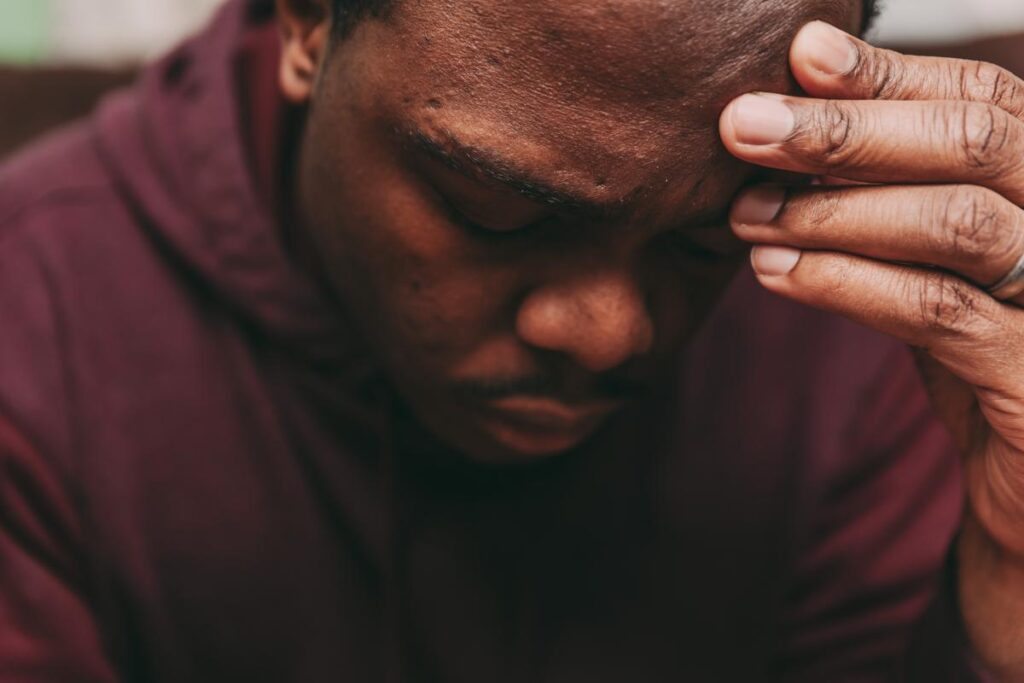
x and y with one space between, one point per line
918 213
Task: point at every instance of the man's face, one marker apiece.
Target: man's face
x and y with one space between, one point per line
522 204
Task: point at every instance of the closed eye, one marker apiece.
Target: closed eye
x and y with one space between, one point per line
479 210
490 230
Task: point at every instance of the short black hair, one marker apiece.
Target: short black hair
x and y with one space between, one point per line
348 12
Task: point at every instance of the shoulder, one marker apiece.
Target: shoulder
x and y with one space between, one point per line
60 170
811 393
82 284
58 203
791 361
43 191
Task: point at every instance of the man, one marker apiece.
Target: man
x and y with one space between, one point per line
399 377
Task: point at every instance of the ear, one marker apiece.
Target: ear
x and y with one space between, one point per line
305 30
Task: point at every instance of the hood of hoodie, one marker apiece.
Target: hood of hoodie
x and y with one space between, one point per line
192 147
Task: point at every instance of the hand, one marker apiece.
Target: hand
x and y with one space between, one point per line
919 214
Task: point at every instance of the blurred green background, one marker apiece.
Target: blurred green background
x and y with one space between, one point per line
99 33
23 30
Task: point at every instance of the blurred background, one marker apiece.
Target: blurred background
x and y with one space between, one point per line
96 32
56 56
119 32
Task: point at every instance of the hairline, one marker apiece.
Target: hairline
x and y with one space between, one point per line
345 14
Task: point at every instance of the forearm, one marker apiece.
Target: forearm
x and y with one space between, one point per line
991 588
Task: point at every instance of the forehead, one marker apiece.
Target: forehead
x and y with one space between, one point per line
605 96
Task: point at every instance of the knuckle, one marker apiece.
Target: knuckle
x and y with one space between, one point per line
820 210
835 126
986 82
882 70
972 222
837 276
948 305
985 135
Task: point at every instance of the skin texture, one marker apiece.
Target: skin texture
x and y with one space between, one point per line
921 163
518 339
912 254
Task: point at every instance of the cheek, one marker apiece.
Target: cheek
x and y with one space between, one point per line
441 296
414 284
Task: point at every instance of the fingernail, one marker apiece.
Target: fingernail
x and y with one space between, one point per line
761 121
758 206
829 50
774 261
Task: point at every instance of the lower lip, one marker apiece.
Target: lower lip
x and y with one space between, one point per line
532 426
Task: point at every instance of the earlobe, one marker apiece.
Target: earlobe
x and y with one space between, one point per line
305 26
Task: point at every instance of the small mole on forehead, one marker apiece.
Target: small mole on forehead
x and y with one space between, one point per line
435 103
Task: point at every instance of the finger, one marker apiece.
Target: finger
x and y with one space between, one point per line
880 142
830 63
963 228
967 331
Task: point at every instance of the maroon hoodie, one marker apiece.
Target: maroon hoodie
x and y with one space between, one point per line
200 480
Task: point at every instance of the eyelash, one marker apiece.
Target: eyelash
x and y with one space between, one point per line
484 233
692 249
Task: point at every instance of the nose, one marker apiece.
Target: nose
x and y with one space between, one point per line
599 319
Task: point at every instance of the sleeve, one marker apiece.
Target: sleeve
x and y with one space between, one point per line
47 631
880 526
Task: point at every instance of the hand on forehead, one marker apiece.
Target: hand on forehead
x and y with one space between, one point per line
627 91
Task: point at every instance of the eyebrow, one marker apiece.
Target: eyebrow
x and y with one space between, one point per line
486 165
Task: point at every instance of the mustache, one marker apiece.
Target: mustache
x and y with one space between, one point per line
607 387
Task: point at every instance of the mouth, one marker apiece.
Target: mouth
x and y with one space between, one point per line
537 426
